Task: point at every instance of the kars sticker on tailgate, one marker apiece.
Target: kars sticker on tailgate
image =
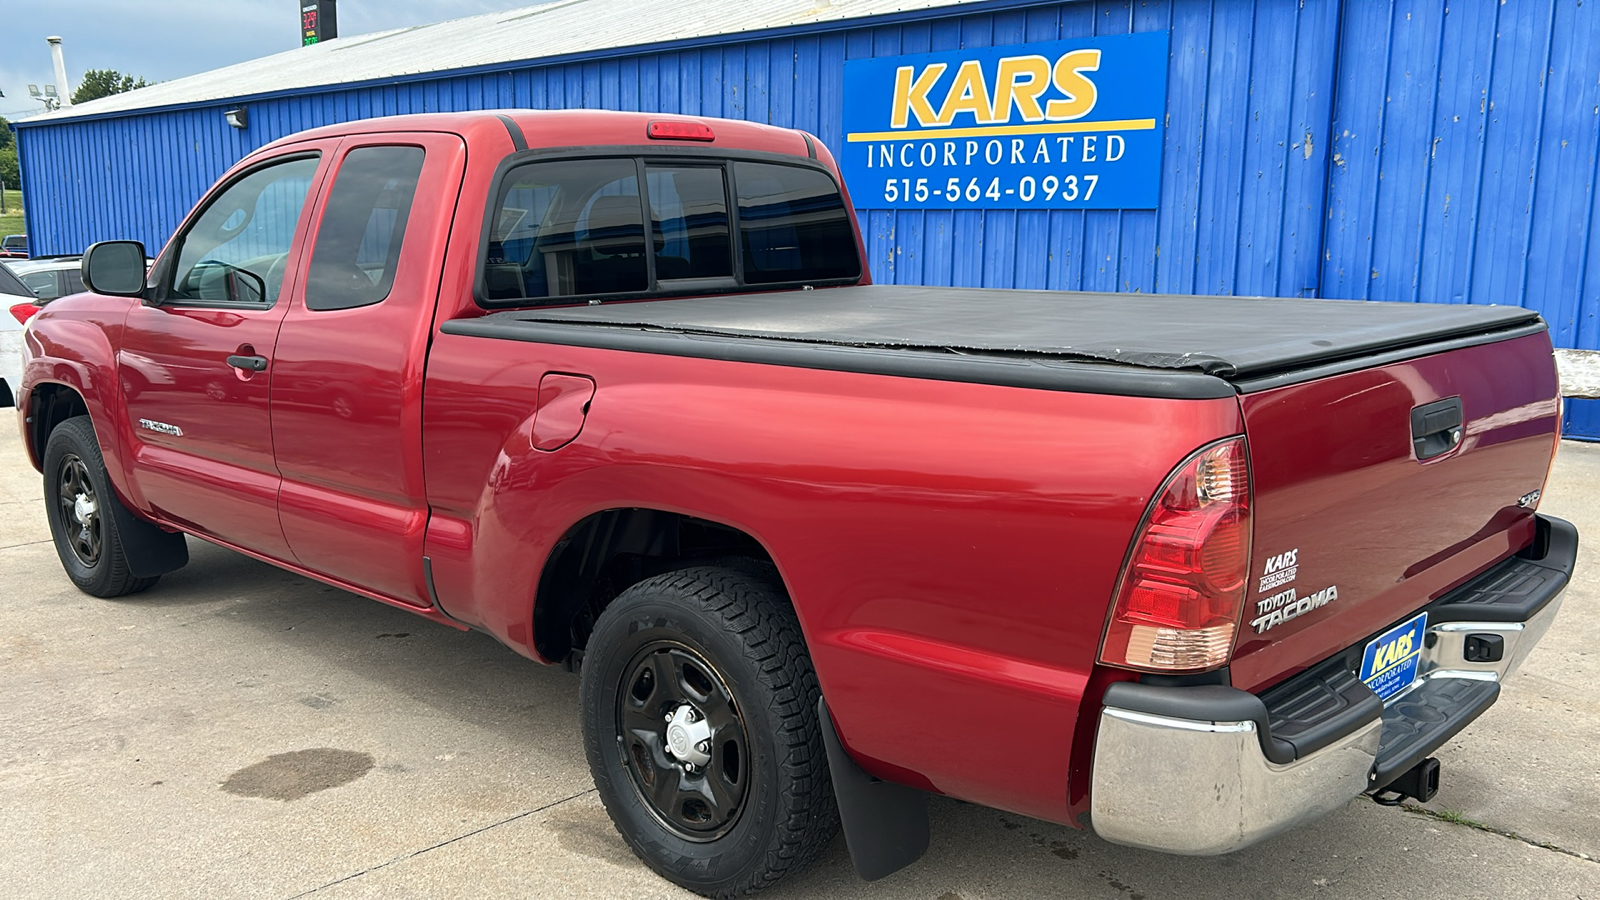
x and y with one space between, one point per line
1389 665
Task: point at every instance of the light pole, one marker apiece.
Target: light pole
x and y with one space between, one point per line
61 71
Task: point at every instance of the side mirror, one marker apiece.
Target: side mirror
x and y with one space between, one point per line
246 286
115 268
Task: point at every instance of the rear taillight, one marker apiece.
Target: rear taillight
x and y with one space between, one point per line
24 311
1178 605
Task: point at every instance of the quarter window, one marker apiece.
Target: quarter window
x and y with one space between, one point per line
363 227
43 284
238 248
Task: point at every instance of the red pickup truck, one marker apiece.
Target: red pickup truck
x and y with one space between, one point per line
615 389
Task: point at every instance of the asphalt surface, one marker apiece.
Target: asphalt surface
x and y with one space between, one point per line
242 732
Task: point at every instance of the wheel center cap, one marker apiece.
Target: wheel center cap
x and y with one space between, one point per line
83 509
689 736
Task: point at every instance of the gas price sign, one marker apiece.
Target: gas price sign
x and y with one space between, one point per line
1060 125
319 21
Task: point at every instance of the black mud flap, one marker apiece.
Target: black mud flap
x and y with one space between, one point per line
885 824
150 549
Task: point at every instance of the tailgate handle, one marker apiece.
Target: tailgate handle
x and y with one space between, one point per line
1436 427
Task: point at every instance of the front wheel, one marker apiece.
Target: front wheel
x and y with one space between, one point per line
699 718
79 501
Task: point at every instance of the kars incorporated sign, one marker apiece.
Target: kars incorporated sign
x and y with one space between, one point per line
1061 125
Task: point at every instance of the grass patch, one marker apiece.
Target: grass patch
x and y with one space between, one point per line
11 220
1455 818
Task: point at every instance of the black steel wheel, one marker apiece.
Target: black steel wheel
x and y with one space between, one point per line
684 739
699 716
79 509
84 510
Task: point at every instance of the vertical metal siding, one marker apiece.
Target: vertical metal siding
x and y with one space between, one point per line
1379 149
1464 166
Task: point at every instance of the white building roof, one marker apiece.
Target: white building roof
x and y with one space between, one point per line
561 28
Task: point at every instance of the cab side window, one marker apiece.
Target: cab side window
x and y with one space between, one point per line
363 228
237 250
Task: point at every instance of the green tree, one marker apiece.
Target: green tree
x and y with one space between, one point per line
5 133
99 83
8 168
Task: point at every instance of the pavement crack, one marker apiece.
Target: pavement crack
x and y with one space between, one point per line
1457 819
26 544
444 843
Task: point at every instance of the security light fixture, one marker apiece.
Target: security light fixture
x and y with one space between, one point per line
238 117
48 96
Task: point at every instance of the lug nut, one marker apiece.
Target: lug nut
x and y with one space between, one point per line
703 746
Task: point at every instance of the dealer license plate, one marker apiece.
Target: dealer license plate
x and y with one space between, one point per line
1389 664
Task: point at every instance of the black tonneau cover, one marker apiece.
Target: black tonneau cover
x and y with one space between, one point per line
1229 337
1149 345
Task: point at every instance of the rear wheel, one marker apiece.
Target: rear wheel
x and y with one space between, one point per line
79 499
699 716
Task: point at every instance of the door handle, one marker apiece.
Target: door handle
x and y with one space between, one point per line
1436 428
249 363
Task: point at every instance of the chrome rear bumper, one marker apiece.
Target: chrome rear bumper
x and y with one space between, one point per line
1197 770
1205 788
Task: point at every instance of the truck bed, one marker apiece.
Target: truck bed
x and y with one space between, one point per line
1146 344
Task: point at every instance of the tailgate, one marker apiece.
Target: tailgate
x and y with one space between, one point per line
1353 531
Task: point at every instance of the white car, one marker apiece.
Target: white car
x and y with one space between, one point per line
43 280
14 294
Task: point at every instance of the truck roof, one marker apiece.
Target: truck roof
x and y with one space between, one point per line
553 128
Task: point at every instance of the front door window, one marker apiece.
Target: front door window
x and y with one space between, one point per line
238 248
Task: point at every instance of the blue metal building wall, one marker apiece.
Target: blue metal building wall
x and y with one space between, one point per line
1379 149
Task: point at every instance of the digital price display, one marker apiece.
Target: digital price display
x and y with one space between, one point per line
319 21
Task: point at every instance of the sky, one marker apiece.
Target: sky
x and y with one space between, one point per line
165 39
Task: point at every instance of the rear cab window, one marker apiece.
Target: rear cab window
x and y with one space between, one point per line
627 227
792 225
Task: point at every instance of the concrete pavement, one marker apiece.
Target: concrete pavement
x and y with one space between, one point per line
142 742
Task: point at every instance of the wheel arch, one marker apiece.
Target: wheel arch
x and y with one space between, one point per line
608 551
49 404
70 360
